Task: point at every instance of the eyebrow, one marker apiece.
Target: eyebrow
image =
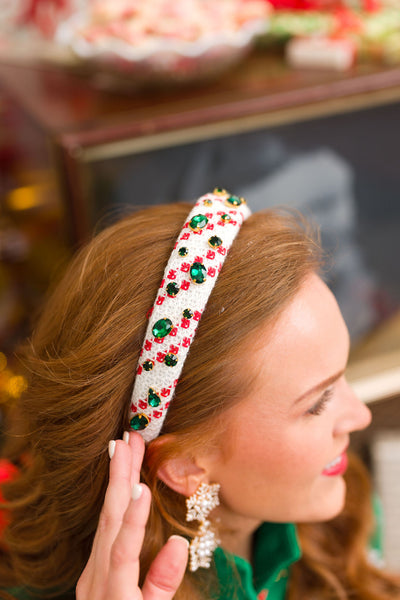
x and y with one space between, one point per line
320 386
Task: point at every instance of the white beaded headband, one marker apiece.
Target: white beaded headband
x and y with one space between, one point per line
188 280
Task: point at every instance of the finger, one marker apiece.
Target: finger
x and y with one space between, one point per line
115 503
125 552
119 488
167 571
137 446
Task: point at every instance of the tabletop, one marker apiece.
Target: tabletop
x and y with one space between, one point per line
262 91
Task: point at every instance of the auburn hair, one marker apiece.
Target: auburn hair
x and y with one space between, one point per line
81 362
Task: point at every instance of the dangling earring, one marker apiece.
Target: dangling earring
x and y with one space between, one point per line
199 505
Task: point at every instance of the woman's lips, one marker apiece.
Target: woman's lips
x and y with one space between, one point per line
337 466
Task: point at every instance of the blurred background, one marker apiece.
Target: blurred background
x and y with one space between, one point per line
111 105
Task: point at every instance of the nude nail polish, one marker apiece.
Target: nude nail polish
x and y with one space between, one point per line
179 537
136 491
111 448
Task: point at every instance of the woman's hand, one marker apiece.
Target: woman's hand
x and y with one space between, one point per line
112 571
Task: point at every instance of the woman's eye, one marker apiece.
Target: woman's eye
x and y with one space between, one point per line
319 406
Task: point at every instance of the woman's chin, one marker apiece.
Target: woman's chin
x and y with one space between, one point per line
328 504
333 503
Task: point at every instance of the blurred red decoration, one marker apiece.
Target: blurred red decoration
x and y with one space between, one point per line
45 14
323 5
305 4
8 471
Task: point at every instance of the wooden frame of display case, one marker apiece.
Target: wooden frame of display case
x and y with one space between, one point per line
85 124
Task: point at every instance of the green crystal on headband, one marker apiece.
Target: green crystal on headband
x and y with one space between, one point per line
139 422
170 360
198 222
187 313
235 200
153 399
183 251
219 191
162 328
215 241
226 217
172 289
198 272
148 365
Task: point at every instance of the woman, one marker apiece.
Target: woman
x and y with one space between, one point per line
259 408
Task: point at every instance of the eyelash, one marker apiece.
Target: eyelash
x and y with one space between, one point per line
319 406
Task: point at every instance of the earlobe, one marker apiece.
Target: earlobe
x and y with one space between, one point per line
182 475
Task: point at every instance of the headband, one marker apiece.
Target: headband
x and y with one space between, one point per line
188 280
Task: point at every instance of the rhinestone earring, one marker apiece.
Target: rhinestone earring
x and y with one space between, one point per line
199 505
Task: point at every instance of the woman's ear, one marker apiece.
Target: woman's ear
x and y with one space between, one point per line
182 473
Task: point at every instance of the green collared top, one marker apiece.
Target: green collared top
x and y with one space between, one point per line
276 548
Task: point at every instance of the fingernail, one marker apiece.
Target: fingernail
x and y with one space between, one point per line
136 491
125 437
111 448
179 537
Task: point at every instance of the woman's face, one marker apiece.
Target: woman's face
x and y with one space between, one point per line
284 447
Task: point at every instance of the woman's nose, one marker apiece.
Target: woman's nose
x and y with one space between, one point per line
355 414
